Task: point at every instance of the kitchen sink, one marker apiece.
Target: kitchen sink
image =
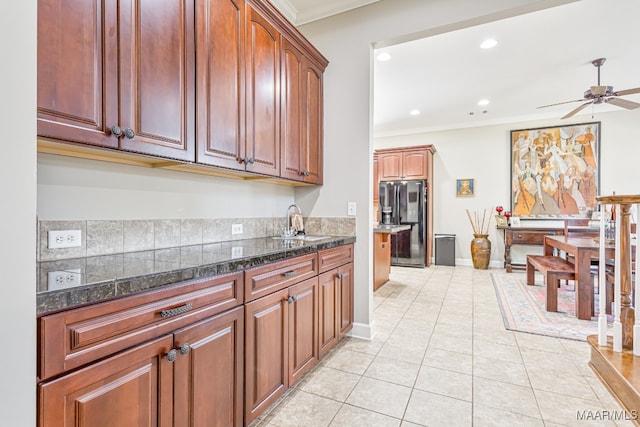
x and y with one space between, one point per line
306 238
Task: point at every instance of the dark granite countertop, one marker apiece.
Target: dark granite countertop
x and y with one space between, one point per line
71 283
390 228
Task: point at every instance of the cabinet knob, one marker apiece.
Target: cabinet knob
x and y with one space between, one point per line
172 355
129 133
116 131
185 349
304 173
251 160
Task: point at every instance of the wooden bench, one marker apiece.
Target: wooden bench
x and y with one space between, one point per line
553 269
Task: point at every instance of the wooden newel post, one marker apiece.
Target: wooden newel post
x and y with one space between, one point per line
627 316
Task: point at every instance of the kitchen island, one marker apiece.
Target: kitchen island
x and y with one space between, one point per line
382 252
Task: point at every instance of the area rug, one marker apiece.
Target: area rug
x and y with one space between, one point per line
523 308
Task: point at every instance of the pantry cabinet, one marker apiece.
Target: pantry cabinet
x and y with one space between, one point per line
118 75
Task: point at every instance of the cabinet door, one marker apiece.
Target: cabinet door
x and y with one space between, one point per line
157 77
77 71
345 310
312 142
133 388
208 379
390 166
266 357
328 309
263 94
220 83
303 328
291 112
414 164
381 259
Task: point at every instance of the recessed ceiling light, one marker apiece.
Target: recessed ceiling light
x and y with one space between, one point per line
414 112
483 102
384 56
489 43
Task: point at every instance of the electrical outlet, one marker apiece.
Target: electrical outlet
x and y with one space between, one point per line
64 239
236 252
63 279
236 228
351 208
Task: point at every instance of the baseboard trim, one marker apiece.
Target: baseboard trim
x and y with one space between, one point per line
364 331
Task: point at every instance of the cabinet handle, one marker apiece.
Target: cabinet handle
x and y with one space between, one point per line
340 276
129 133
116 131
290 273
292 299
172 355
185 349
304 173
251 160
175 311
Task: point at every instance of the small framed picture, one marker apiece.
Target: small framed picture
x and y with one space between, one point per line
501 221
515 221
464 187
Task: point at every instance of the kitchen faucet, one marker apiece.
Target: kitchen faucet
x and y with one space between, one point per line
294 224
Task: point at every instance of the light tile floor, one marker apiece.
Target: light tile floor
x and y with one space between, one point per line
442 357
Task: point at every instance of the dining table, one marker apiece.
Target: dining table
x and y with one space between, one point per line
583 249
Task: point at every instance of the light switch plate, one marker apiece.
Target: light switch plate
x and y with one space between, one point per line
236 252
351 208
236 228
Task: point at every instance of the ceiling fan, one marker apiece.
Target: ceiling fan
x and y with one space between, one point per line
601 94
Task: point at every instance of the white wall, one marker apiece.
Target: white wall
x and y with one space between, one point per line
18 212
70 188
346 41
483 153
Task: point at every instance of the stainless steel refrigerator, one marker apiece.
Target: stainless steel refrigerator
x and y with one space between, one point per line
407 201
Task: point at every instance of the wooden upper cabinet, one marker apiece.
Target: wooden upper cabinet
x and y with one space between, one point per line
390 166
262 94
414 164
403 164
77 71
312 125
105 68
157 77
220 33
292 111
301 116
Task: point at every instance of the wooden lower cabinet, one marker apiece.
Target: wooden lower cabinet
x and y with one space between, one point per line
281 343
336 306
209 377
381 259
134 388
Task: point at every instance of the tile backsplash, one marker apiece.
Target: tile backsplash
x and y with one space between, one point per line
104 237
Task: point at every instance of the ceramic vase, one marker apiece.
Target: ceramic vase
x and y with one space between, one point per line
481 251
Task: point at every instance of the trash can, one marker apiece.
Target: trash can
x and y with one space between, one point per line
446 249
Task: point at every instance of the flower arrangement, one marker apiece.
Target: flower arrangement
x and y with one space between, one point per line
480 225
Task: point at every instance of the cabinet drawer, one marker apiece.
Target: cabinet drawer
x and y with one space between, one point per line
76 337
263 280
335 257
528 237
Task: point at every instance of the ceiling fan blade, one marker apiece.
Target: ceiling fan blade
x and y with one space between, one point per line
627 91
629 105
561 103
575 111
